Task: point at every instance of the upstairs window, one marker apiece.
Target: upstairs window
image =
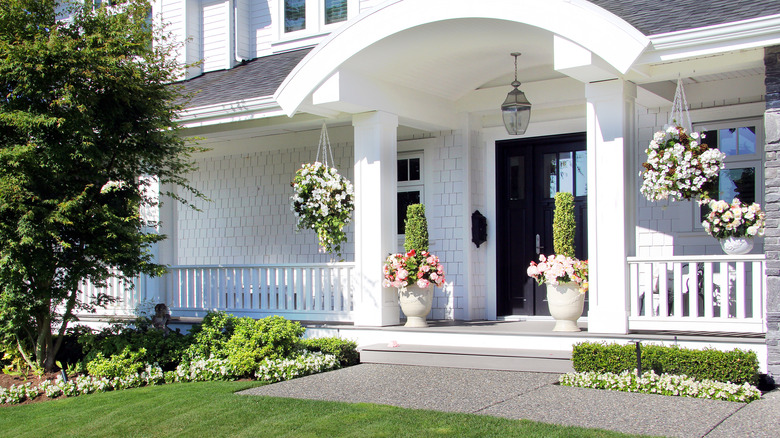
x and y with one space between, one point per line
335 11
314 15
294 15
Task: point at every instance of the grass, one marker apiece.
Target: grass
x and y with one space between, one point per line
212 409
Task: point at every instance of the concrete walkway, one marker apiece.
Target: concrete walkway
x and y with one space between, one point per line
534 396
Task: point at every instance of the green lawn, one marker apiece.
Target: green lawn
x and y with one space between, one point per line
211 409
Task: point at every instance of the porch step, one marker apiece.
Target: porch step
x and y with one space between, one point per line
506 359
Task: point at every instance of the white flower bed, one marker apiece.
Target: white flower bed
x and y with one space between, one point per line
199 370
664 384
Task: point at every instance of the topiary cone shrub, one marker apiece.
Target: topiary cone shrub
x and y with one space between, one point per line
564 224
416 229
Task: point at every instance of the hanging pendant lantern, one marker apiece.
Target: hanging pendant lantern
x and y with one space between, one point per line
516 109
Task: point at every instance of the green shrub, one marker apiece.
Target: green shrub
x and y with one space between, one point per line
344 350
165 350
210 336
564 224
736 366
122 364
416 229
254 340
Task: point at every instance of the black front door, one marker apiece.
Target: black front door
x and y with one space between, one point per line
528 174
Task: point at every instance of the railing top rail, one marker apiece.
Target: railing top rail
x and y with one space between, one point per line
270 265
699 258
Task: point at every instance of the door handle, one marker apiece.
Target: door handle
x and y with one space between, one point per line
538 245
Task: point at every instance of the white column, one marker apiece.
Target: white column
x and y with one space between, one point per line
610 116
375 216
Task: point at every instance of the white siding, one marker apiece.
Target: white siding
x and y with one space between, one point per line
249 220
243 18
214 34
261 31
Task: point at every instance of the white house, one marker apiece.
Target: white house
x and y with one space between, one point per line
410 91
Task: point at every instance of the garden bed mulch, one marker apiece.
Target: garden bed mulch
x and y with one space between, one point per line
6 380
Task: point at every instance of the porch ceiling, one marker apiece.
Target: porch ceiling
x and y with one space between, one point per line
451 58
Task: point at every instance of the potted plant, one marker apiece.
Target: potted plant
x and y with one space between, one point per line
734 225
323 200
565 276
416 272
679 166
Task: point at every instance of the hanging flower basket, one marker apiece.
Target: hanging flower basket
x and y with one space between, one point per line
679 166
323 201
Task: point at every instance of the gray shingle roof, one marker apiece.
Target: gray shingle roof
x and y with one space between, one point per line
660 16
262 76
255 78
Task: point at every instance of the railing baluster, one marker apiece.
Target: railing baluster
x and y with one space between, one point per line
740 289
758 284
677 284
709 304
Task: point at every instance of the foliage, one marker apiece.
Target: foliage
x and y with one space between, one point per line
210 336
564 224
735 366
664 384
416 229
153 345
679 166
343 349
119 364
556 269
423 269
734 220
88 129
323 200
254 340
276 370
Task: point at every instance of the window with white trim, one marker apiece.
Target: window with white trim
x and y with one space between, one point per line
743 176
314 15
411 187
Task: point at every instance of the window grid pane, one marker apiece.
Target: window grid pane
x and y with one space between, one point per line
294 15
335 11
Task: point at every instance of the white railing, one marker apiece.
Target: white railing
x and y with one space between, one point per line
698 293
314 292
124 296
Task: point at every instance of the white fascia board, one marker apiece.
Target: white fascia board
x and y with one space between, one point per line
228 112
739 35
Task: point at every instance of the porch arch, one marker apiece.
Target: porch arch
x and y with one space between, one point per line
588 25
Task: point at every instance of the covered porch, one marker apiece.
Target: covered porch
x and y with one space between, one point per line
396 83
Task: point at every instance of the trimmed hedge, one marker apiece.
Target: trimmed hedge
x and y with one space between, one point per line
344 350
736 366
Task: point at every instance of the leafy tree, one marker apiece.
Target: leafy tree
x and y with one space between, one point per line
87 125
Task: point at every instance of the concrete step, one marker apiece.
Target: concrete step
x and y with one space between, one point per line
507 359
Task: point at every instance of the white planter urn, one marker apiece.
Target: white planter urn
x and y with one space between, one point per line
736 245
566 304
416 304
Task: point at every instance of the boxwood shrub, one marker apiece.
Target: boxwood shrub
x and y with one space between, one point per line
736 366
344 350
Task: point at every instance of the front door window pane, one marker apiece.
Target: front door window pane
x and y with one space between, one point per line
294 15
581 173
566 172
550 175
516 178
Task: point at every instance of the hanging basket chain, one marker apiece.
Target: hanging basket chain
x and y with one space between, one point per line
324 148
679 112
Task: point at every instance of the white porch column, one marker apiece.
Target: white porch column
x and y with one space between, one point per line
375 216
610 125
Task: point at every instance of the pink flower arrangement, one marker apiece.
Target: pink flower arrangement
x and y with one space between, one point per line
423 269
556 269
